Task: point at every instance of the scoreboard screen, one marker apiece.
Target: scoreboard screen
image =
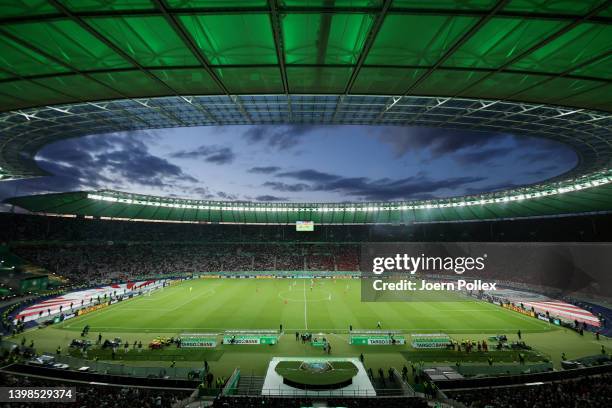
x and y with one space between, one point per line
304 226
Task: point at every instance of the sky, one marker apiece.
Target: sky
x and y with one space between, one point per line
293 163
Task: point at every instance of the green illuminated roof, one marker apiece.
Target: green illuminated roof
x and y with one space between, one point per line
75 67
546 51
528 203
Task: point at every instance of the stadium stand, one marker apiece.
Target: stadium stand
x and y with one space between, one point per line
89 252
537 68
100 251
24 227
99 395
256 402
103 262
585 392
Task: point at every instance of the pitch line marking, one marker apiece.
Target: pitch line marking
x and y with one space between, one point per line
207 291
97 313
427 330
530 320
89 316
305 318
470 310
325 298
158 295
330 331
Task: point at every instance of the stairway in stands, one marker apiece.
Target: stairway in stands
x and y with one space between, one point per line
250 385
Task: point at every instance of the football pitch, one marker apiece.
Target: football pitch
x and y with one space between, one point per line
319 305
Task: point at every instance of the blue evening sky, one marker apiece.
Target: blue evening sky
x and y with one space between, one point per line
297 163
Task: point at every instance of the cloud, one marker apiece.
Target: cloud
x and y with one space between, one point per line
127 161
65 178
504 185
309 175
285 187
538 149
414 187
202 192
278 137
484 156
542 154
437 141
115 160
211 154
270 198
264 170
140 167
406 188
471 148
543 171
227 196
534 157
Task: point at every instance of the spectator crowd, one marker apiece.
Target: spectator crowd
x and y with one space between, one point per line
25 227
103 262
585 392
99 396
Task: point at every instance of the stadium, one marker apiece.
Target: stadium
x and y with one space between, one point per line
393 281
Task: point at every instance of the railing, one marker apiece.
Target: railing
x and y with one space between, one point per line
128 370
501 369
358 392
408 391
232 383
523 378
187 401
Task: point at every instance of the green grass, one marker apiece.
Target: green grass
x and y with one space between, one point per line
341 372
329 307
216 305
166 354
475 356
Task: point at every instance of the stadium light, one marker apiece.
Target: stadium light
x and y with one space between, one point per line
525 193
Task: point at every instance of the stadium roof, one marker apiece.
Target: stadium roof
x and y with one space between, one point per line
541 51
120 205
77 67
